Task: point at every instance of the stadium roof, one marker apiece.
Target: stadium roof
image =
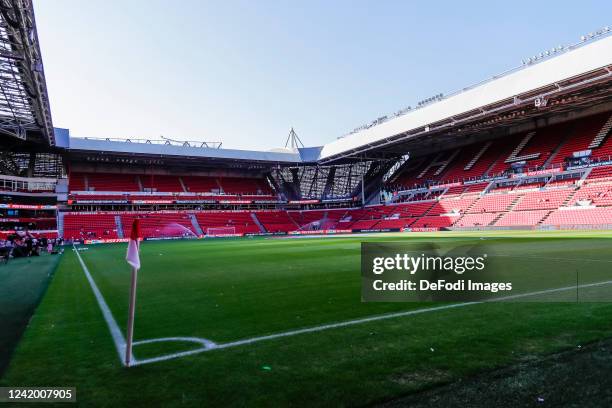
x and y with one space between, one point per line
24 103
164 148
579 65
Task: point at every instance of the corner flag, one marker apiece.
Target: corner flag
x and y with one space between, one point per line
133 258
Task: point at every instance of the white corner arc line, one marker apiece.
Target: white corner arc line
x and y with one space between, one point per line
118 338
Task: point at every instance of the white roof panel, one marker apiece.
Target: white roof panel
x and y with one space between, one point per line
588 57
95 145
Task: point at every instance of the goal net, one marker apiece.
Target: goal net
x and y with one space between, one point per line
220 231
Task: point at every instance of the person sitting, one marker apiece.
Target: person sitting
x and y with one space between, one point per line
6 247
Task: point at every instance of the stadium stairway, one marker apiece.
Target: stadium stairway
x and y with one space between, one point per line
497 218
182 183
466 211
481 152
60 223
258 223
547 215
602 134
585 175
119 225
514 202
139 181
514 156
553 154
568 199
195 224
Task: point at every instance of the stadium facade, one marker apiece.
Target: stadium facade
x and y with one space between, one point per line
527 149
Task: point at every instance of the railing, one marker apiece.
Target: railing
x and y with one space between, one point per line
28 185
593 162
537 172
163 141
528 62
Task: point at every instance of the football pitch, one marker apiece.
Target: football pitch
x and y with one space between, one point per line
280 321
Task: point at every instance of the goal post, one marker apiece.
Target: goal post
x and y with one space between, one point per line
220 231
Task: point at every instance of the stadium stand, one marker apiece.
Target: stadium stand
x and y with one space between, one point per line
240 222
201 184
542 200
111 182
541 158
276 221
89 226
160 224
161 183
529 178
476 220
521 218
580 216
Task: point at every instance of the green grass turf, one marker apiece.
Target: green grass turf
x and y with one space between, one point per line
22 284
227 290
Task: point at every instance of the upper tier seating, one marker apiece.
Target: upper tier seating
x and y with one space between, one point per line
582 132
561 183
554 144
112 182
456 169
77 182
475 188
601 172
161 183
201 184
235 185
454 191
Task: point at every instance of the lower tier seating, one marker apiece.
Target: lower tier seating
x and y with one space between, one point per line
476 220
159 224
521 218
588 216
589 204
90 226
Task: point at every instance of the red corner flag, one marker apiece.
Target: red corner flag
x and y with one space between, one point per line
132 257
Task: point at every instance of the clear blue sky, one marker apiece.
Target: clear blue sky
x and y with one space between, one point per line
244 72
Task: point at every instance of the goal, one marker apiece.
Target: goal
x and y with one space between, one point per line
220 231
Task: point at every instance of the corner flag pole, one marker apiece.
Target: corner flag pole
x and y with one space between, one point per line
130 328
133 258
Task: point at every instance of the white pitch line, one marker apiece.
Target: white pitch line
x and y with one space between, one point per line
118 338
209 345
359 321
